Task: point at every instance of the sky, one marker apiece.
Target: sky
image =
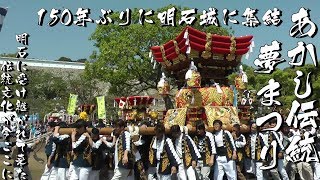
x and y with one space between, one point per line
51 43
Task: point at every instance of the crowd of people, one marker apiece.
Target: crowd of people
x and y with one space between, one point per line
174 155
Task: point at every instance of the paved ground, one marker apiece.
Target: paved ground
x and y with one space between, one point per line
36 167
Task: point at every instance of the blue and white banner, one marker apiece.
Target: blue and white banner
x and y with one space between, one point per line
3 13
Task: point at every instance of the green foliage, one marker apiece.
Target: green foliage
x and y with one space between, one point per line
85 87
286 78
82 60
46 85
46 91
8 55
122 58
64 59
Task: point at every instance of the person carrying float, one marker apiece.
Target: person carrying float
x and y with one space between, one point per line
280 150
123 157
187 152
99 145
162 156
62 154
253 148
240 142
226 153
81 147
204 140
48 171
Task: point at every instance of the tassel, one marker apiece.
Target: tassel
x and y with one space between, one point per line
154 65
185 130
135 102
218 88
251 49
192 100
187 42
244 77
151 59
136 131
247 56
130 129
235 97
188 50
181 129
150 54
188 74
241 69
179 92
192 66
154 102
186 34
114 103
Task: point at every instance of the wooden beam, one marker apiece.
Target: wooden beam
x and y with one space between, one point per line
150 130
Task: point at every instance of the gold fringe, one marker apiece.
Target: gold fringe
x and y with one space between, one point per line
270 141
167 63
187 155
181 57
258 148
232 55
165 162
206 54
228 146
151 153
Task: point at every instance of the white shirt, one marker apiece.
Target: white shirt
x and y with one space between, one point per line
116 162
159 149
116 154
137 153
212 142
265 137
240 144
218 137
178 146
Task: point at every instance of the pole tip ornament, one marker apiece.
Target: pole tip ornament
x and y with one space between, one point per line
193 77
163 85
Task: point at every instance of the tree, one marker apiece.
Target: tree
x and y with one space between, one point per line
46 85
64 59
122 59
82 60
86 87
45 91
8 55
